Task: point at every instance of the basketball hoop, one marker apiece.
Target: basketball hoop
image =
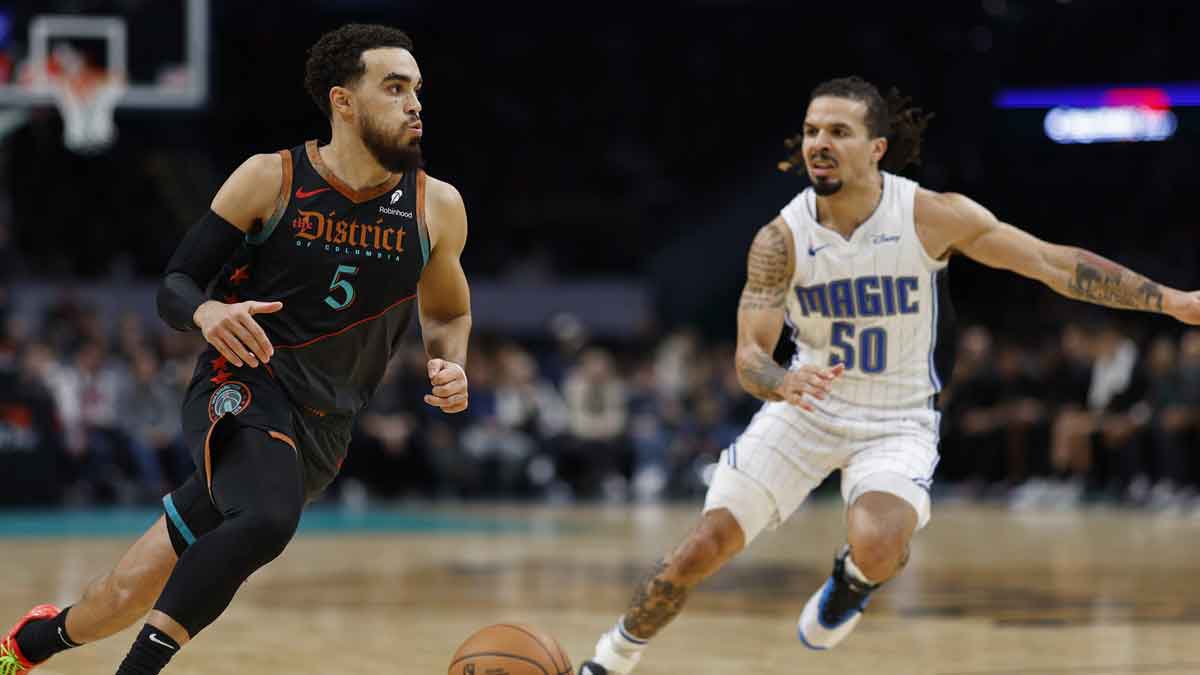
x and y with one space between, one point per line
87 99
87 114
79 64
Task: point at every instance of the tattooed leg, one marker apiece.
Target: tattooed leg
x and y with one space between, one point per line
657 601
661 596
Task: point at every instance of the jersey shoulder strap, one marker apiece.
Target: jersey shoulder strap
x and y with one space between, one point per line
264 230
422 226
904 193
796 213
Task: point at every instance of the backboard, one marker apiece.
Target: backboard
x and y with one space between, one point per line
141 54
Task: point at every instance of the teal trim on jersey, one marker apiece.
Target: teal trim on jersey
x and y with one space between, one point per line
173 514
260 237
424 245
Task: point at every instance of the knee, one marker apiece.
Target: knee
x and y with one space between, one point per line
269 530
707 548
879 550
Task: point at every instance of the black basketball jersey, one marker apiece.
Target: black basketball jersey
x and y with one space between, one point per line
345 264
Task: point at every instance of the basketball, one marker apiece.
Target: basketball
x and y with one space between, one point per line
510 649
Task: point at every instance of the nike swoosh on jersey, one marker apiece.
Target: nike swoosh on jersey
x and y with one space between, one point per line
301 194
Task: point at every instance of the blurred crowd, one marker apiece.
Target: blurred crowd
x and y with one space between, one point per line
1088 415
89 415
562 420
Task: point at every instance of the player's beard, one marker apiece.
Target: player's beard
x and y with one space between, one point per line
825 186
390 150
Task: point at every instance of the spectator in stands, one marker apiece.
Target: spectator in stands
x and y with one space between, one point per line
523 422
131 337
30 444
1095 447
149 419
704 434
654 421
387 456
970 426
596 454
88 393
1174 401
674 361
1021 412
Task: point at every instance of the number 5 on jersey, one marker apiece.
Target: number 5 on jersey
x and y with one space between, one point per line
871 352
341 286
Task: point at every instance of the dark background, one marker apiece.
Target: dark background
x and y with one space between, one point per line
639 140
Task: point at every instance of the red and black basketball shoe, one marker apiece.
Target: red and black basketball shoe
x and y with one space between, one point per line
12 662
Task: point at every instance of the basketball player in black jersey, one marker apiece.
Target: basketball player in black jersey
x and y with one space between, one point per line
315 257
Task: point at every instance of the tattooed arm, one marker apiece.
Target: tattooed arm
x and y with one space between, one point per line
760 310
951 222
769 270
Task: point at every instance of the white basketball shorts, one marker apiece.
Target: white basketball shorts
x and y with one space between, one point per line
785 452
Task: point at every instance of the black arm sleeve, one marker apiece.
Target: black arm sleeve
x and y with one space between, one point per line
205 248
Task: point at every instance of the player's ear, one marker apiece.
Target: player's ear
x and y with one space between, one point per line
339 100
878 149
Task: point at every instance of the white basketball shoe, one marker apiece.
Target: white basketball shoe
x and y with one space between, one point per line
835 609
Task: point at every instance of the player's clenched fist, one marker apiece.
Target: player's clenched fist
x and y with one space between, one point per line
449 386
808 380
231 328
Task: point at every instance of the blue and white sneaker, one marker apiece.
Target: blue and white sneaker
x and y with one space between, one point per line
834 610
609 661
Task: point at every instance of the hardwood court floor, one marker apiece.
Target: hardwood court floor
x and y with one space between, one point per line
988 592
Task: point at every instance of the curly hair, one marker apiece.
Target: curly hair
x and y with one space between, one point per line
336 59
893 118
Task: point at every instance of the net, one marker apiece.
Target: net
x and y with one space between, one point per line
87 99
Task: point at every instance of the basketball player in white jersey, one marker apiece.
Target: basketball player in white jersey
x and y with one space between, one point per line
855 266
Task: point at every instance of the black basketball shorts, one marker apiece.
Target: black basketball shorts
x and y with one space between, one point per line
222 398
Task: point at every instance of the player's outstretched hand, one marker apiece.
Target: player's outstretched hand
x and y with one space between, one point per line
1186 308
231 328
808 381
449 386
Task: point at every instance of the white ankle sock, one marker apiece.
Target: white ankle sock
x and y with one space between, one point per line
618 651
623 642
855 573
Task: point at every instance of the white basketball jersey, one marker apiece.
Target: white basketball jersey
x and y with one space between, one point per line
876 302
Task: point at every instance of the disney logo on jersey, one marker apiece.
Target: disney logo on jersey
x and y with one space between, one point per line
313 226
885 238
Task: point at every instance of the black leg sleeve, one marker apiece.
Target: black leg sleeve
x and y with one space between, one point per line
258 487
